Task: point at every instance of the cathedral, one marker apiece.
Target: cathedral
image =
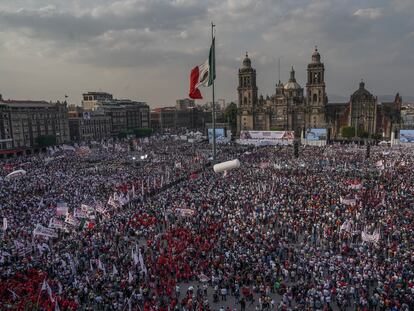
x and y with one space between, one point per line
291 110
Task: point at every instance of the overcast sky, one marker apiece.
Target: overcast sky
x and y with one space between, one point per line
145 49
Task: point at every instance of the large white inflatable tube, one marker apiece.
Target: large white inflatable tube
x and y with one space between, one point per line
15 174
226 166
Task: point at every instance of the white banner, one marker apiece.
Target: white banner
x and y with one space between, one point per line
184 212
347 201
100 209
90 211
264 142
44 231
56 223
71 220
371 238
267 135
20 249
346 226
112 202
68 148
79 213
354 184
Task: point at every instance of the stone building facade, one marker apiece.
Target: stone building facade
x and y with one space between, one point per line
23 124
289 109
125 114
171 117
365 114
88 125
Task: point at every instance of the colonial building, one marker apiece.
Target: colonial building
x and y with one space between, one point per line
171 117
185 103
125 114
88 125
94 100
27 126
365 114
289 109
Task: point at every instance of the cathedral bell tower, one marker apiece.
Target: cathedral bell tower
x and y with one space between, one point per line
247 91
316 94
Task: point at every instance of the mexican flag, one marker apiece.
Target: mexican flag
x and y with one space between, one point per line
203 75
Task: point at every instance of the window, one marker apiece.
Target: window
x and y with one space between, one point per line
315 98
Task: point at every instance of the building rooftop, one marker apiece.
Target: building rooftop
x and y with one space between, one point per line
97 93
28 103
161 109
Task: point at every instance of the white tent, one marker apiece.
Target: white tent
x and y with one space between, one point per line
15 174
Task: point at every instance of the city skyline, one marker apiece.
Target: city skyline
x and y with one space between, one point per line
145 50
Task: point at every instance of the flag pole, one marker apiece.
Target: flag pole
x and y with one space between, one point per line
214 106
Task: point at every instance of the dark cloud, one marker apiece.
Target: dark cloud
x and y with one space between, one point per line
62 24
165 38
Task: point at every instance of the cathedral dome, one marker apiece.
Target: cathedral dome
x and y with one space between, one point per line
292 84
246 62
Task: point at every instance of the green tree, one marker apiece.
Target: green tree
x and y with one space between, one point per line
376 136
363 134
143 132
46 140
230 114
348 132
275 128
124 133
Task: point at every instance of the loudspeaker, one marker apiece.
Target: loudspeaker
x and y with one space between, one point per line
368 151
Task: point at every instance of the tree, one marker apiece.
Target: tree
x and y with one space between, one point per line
363 134
376 136
275 128
143 132
230 114
46 140
124 133
348 132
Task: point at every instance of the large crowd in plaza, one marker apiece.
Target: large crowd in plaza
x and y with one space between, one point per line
150 226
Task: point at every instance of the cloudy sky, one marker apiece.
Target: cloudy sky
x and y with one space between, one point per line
144 49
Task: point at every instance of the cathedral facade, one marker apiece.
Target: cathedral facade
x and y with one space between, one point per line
290 109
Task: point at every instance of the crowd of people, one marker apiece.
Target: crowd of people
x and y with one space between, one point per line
330 230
